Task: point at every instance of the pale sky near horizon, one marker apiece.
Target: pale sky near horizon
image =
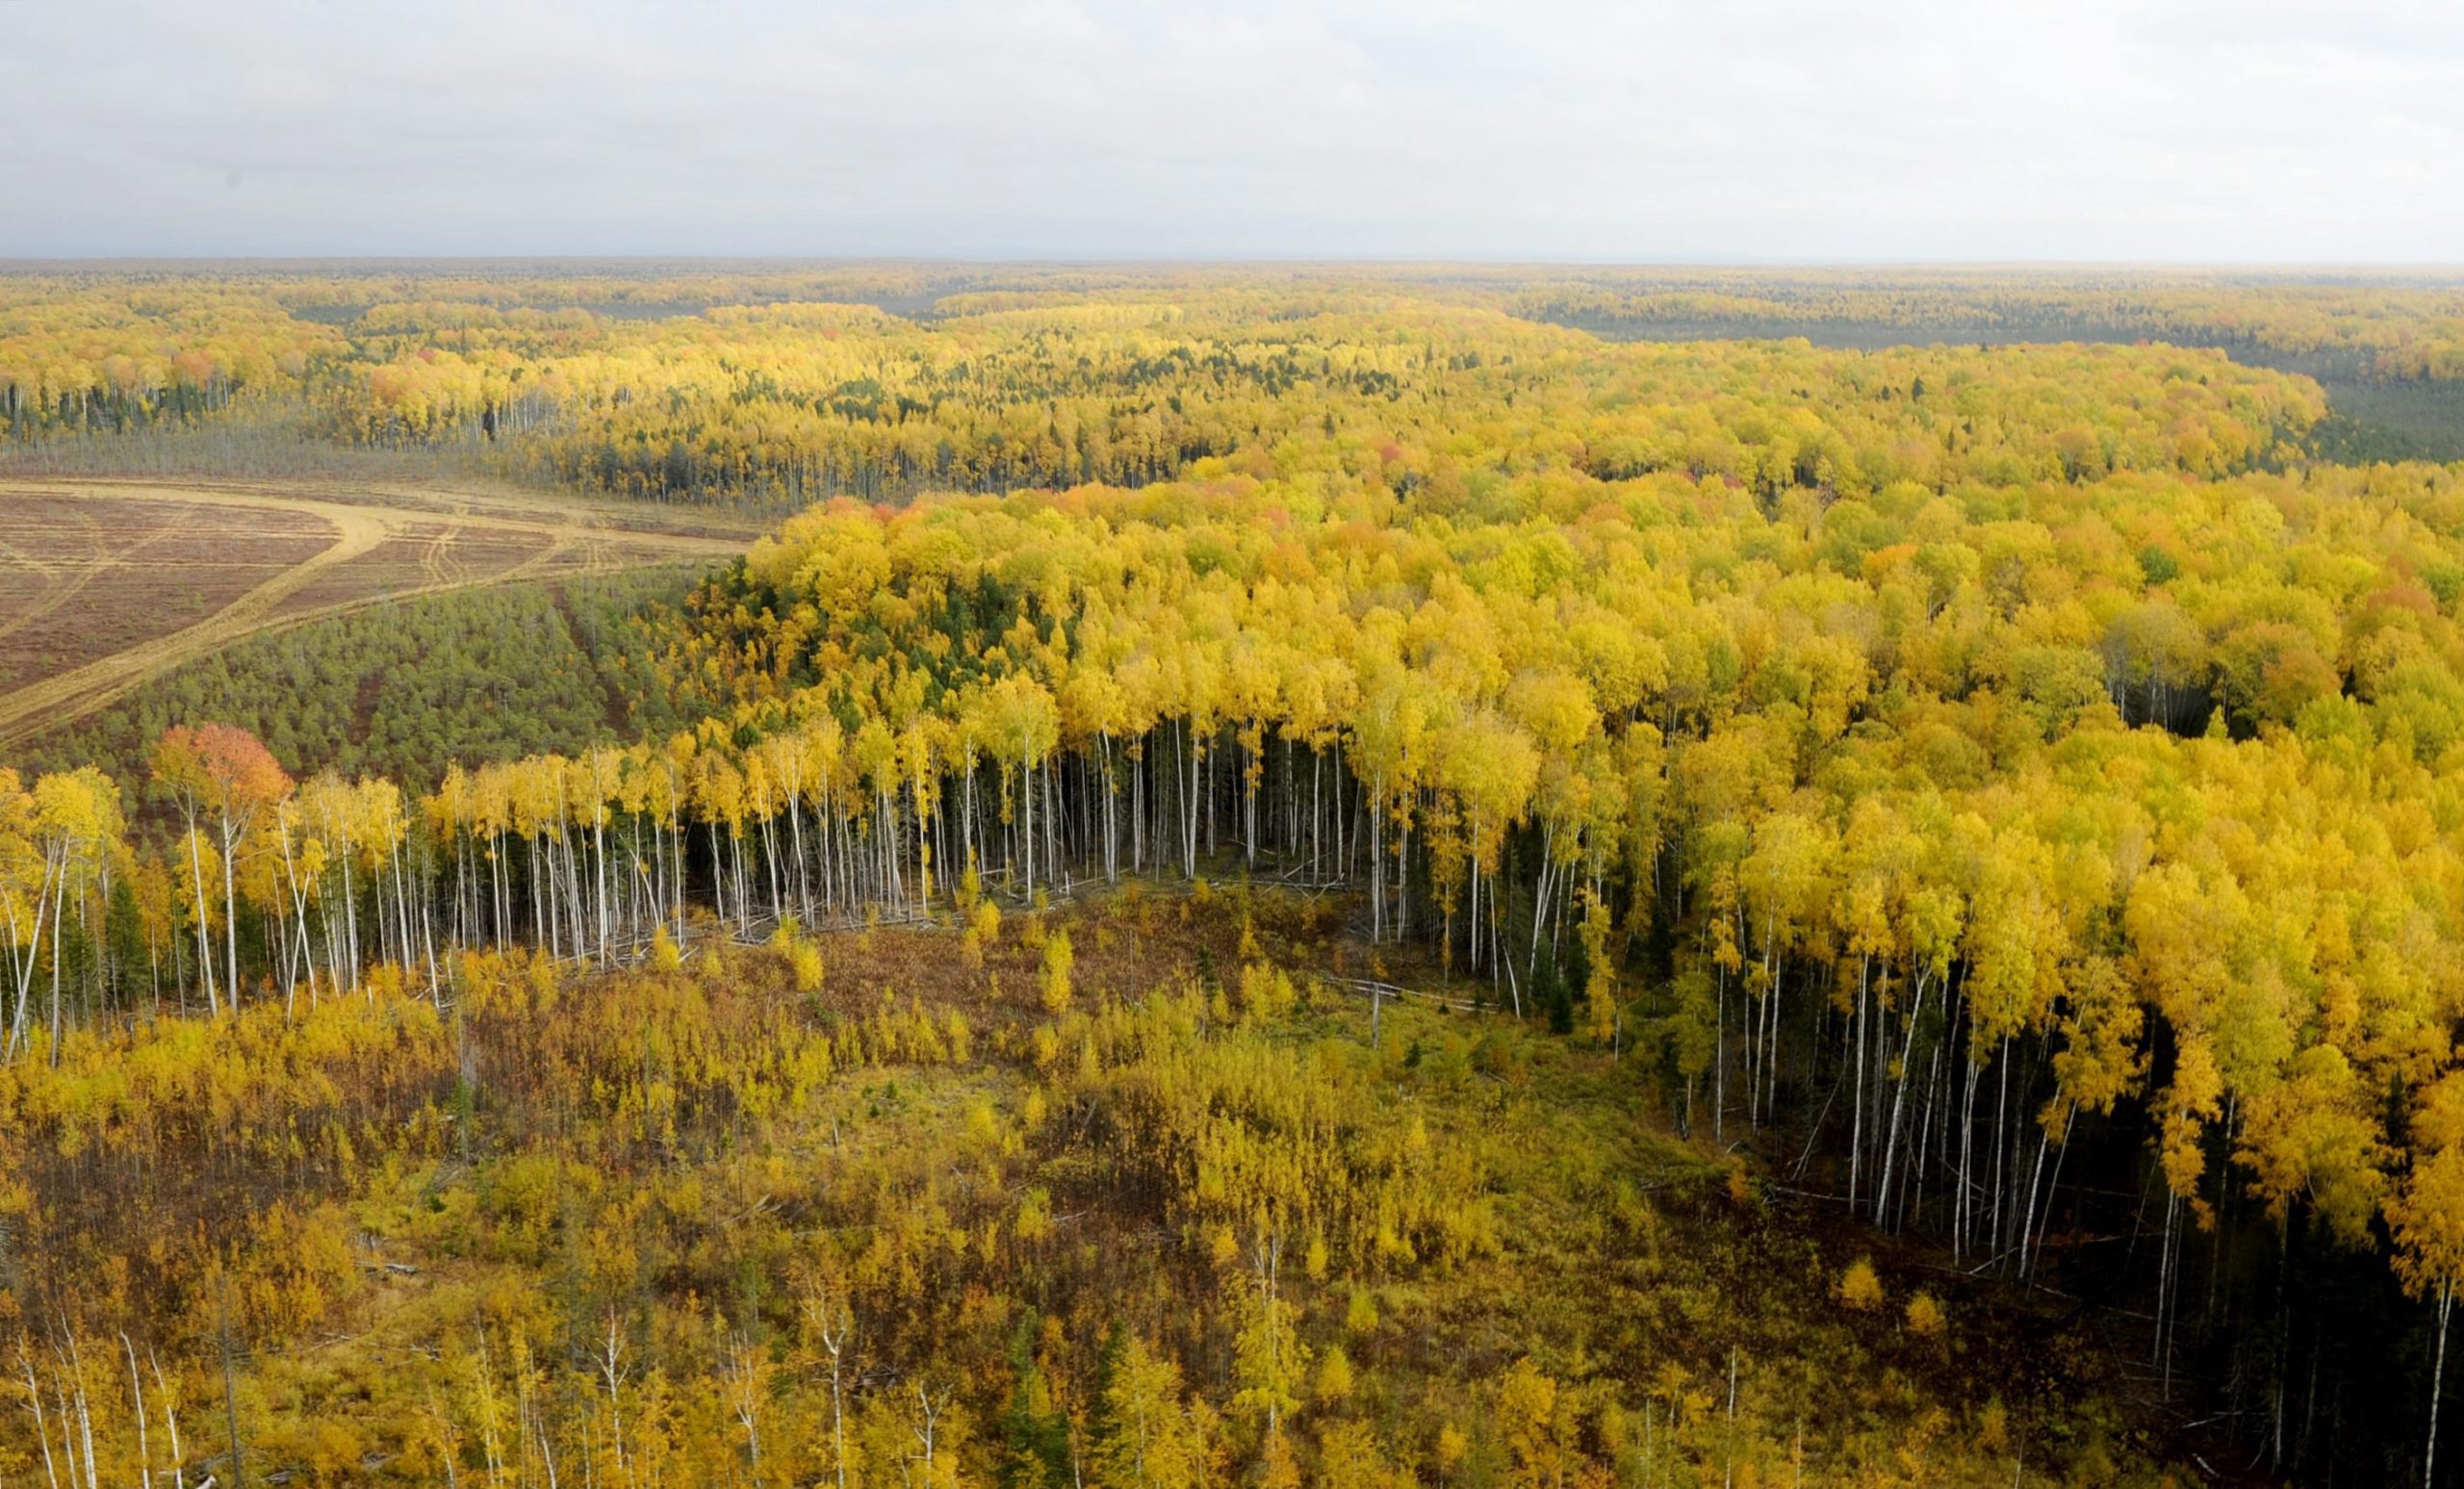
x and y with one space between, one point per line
2206 131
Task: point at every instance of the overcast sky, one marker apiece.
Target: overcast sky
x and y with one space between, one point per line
1719 129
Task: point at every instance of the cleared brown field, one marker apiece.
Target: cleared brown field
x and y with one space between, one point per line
81 580
104 584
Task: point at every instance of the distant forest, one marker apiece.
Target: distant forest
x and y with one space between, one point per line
779 385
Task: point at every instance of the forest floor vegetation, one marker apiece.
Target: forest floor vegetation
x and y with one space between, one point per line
568 1218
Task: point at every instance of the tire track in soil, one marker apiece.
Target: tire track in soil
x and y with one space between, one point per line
69 695
81 574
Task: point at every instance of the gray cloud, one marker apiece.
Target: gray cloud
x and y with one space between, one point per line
1754 130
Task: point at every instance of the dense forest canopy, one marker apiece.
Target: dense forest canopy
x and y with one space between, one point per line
782 386
2404 324
2003 799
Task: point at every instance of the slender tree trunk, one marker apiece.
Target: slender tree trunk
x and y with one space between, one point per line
136 1394
58 923
1856 1121
171 1420
231 1392
204 945
1719 1055
34 1399
230 915
2437 1381
1898 1103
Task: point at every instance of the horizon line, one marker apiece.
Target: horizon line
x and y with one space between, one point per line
38 262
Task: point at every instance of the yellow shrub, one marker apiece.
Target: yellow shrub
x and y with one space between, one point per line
1266 991
1058 961
1926 1319
1334 1375
1035 1216
1360 1314
1994 1426
804 958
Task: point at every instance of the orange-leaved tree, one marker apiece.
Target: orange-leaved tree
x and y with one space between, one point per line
223 770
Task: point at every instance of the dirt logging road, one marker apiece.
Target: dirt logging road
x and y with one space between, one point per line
105 584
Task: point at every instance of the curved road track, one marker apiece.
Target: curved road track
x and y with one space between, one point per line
532 535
